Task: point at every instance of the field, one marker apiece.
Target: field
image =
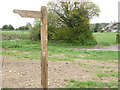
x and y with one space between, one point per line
69 66
103 39
14 35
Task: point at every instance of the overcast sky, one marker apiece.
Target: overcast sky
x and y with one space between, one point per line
109 11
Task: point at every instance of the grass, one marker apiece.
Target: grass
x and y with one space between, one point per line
105 39
68 54
15 32
14 35
61 51
107 74
92 84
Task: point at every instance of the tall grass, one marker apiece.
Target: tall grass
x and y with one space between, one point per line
14 35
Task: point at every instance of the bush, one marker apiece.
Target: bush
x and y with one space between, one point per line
74 35
35 34
35 31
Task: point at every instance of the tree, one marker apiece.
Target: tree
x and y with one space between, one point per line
11 27
76 17
71 13
23 28
8 27
5 27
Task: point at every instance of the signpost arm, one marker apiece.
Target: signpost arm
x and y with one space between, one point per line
44 49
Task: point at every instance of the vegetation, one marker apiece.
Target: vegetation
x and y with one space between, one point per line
35 31
92 84
56 49
8 27
107 74
62 51
26 27
12 35
15 35
74 18
105 39
68 26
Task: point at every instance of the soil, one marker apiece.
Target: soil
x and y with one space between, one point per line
27 73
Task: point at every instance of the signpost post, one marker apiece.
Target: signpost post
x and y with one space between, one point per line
44 39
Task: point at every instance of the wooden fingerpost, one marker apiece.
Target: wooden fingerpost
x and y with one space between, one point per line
44 40
44 49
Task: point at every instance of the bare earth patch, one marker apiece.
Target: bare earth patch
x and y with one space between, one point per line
27 73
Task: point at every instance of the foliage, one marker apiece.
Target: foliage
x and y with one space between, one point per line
72 13
69 35
26 27
35 31
7 27
53 23
22 28
75 17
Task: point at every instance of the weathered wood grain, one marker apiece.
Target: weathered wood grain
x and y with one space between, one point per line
28 13
44 49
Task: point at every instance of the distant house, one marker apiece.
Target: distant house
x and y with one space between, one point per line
112 27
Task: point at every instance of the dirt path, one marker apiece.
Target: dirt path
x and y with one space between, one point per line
26 73
106 48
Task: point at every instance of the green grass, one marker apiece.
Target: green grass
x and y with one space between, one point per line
15 32
55 49
92 84
107 74
14 35
105 39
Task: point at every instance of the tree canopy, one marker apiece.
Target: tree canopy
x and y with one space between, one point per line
72 12
73 17
7 27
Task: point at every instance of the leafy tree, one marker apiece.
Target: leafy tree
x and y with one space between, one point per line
75 16
8 27
5 27
22 28
11 27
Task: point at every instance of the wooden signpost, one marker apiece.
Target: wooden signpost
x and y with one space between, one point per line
44 39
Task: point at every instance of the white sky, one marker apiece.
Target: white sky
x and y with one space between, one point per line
109 11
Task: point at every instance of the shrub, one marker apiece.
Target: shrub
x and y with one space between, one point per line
74 35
